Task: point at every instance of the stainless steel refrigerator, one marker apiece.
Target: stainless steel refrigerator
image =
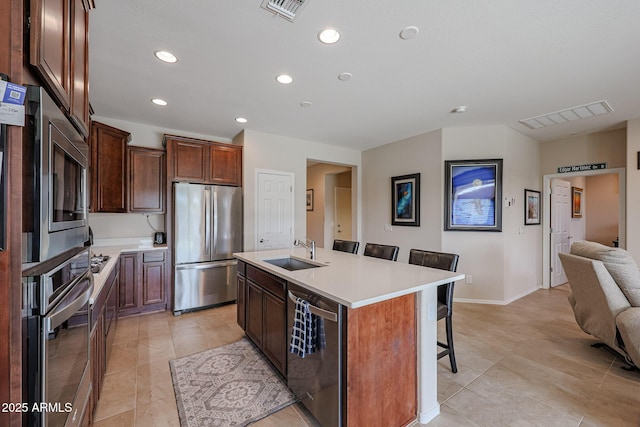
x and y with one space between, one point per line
207 230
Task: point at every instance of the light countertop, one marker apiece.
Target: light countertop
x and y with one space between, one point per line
352 280
114 252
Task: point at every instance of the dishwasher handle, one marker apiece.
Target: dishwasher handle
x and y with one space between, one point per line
325 314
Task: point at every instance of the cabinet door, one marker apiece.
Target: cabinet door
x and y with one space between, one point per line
146 180
226 165
190 160
153 274
79 96
49 45
241 301
108 163
274 331
254 313
129 289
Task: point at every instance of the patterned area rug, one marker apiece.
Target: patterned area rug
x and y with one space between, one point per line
232 385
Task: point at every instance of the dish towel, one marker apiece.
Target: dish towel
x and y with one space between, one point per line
303 340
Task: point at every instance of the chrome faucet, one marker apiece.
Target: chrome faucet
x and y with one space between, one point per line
311 248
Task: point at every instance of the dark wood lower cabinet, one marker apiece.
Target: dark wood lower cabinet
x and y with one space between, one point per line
143 287
264 313
103 328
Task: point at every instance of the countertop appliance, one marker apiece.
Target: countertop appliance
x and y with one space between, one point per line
56 370
319 379
54 180
207 231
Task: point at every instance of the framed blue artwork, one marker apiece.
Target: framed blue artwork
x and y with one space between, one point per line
473 195
405 200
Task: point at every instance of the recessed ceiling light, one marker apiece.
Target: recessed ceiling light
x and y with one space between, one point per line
329 35
345 76
165 56
285 79
241 120
409 32
305 104
159 101
460 109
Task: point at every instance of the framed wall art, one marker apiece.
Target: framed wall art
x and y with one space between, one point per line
576 202
405 200
473 195
531 207
310 200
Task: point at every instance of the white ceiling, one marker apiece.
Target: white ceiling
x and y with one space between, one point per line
506 60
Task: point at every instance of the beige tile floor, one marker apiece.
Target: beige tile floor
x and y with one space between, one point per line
524 364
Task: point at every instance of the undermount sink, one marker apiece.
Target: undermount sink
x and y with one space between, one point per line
291 264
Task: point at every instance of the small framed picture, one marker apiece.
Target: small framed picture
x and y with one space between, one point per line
576 202
531 207
405 200
310 199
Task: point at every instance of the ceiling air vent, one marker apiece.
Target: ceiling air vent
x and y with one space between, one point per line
570 114
288 9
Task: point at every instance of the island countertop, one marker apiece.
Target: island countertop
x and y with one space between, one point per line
352 280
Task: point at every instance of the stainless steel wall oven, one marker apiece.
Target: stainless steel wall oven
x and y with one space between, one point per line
55 180
56 367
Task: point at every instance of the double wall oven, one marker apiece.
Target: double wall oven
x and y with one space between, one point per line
57 281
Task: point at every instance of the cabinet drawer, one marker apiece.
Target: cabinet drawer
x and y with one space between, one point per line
242 268
153 256
273 284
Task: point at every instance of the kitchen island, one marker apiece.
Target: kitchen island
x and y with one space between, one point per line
390 328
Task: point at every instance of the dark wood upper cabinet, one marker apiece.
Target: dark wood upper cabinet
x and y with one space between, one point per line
49 45
108 168
125 178
79 99
146 180
226 165
205 162
58 49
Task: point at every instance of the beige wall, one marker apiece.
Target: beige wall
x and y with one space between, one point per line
633 188
495 260
421 154
602 195
281 153
607 147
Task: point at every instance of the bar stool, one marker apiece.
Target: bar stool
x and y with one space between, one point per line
346 246
381 251
442 261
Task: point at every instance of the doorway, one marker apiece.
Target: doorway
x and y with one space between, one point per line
577 228
334 191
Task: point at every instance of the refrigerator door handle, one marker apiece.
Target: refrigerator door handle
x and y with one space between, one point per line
215 222
207 221
204 266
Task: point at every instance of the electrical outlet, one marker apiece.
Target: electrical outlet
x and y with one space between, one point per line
468 278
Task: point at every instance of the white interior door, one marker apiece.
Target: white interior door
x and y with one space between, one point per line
560 224
275 210
342 205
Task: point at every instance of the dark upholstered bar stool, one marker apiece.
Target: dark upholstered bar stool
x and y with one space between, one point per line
346 246
381 251
442 261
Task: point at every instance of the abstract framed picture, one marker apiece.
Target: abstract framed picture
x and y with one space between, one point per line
405 200
576 202
473 195
531 207
310 199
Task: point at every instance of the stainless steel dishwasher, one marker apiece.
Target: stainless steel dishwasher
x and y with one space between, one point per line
317 379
